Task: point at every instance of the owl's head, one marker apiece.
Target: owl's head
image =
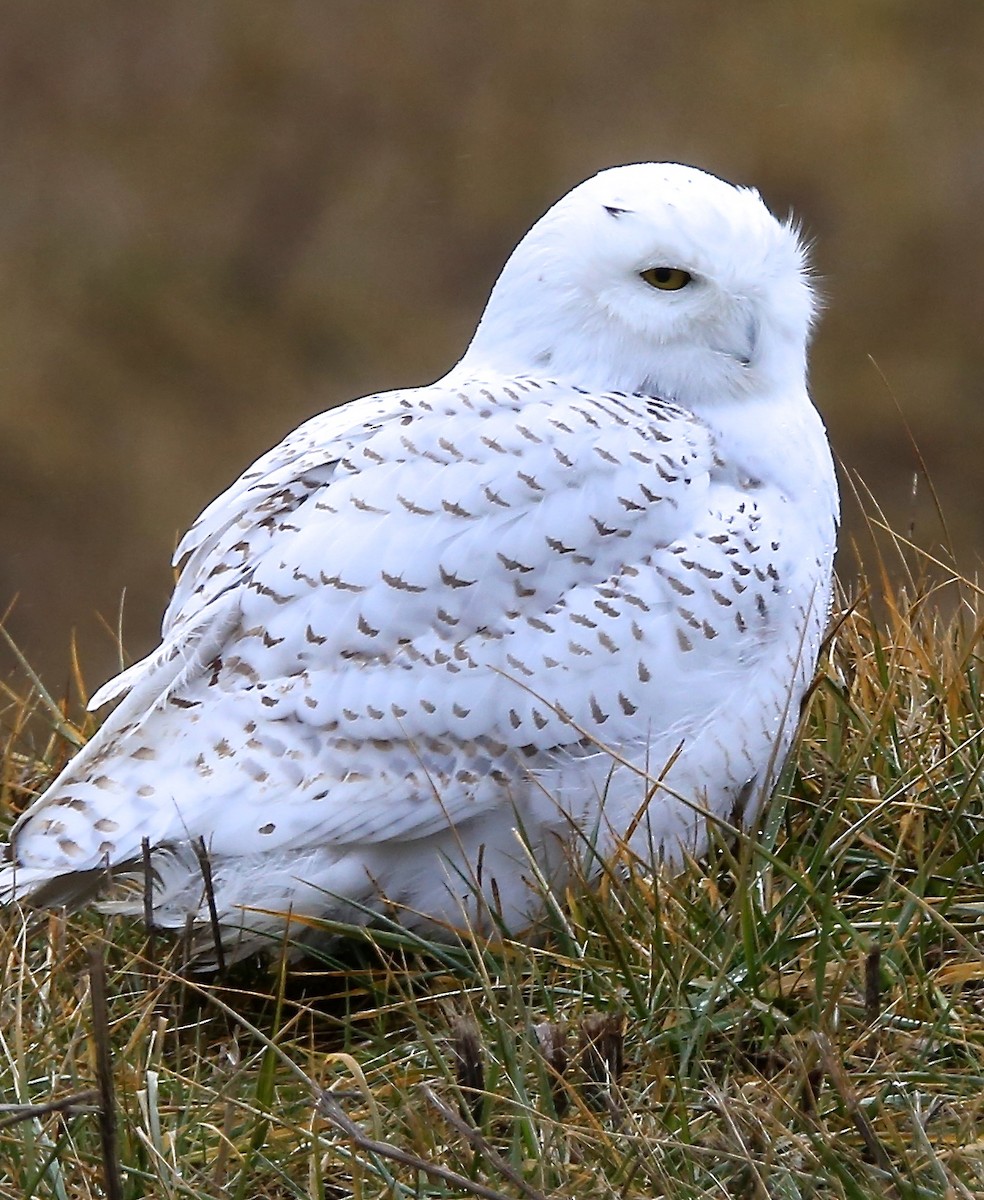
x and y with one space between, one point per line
659 278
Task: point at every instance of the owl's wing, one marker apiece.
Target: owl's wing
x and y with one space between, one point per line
393 604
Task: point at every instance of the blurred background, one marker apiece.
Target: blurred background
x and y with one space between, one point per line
217 219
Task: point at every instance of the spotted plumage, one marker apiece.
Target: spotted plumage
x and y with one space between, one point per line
575 588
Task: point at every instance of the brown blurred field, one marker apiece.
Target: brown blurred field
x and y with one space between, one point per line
219 218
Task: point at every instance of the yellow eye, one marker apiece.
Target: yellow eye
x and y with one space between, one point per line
667 279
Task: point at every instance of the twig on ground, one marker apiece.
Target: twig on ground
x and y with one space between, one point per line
79 1102
148 909
104 1075
479 1144
201 852
834 1070
332 1111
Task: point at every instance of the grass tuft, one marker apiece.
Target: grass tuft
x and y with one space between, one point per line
799 1015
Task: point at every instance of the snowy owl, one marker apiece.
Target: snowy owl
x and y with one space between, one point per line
438 640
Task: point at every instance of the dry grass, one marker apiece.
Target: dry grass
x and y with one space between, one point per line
799 1016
